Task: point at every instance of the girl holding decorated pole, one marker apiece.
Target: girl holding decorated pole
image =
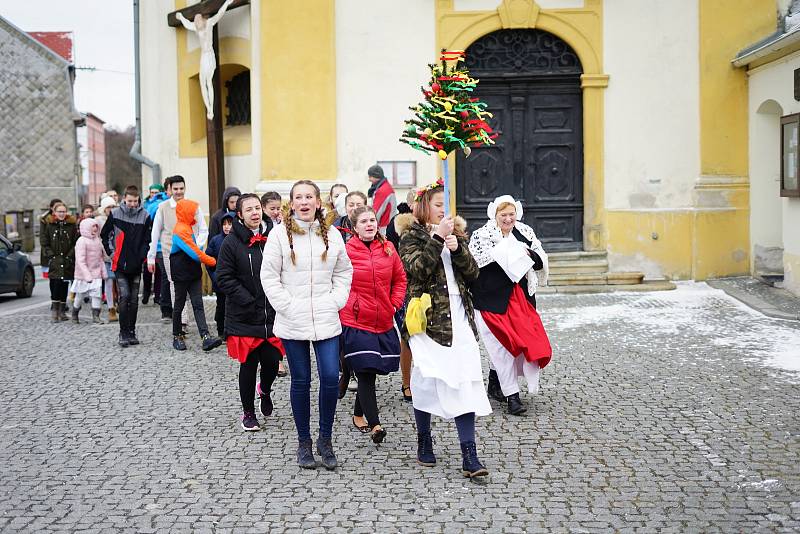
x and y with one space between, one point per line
446 378
513 264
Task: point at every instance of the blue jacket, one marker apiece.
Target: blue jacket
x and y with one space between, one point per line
214 245
151 206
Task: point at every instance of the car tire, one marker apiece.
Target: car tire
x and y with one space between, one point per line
28 281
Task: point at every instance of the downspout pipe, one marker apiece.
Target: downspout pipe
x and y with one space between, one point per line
136 149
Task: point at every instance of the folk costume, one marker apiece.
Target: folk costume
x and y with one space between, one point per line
506 317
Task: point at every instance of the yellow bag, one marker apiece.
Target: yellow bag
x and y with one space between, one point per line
416 314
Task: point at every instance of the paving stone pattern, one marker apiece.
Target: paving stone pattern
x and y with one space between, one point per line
659 413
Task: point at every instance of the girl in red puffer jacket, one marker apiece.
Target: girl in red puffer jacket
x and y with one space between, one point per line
370 342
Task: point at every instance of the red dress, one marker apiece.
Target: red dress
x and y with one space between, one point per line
240 347
520 329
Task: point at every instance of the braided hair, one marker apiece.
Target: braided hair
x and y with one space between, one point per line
293 228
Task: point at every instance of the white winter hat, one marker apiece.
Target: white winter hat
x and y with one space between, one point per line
491 210
107 202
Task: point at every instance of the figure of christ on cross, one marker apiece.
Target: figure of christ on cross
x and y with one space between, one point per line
208 60
206 29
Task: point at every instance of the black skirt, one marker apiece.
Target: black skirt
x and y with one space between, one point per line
368 352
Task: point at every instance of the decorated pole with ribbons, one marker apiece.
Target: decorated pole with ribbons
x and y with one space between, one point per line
449 118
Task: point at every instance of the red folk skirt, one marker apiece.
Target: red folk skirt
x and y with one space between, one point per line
240 347
520 329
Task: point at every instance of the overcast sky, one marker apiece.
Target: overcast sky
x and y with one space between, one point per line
103 39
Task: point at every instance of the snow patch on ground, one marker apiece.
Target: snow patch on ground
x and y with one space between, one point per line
695 306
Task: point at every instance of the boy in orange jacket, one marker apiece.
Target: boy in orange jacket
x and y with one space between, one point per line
184 264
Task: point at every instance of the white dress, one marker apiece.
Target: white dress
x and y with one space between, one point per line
448 381
94 288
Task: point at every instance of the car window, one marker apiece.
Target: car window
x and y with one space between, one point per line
4 249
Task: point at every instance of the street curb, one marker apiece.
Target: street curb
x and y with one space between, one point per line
757 303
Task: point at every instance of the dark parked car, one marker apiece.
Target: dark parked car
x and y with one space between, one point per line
16 270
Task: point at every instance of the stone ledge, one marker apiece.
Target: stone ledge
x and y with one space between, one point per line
652 285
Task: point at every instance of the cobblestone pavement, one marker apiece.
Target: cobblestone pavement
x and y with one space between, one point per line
673 411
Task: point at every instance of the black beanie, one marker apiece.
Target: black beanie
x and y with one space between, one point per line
376 171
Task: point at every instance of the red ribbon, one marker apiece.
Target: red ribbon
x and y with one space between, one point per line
257 238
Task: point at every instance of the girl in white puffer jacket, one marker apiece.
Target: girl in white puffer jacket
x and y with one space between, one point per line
306 275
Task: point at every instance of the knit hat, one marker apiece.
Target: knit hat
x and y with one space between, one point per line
107 202
158 187
376 171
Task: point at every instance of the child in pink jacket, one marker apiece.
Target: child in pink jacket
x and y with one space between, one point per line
90 271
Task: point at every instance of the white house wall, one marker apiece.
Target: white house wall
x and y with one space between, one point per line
652 103
381 58
774 221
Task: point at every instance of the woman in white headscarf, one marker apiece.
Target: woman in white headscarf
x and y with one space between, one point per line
512 265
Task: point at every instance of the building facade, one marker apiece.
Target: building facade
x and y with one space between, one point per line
623 124
92 142
773 69
39 160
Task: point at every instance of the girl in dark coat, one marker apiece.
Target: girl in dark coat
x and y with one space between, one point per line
58 240
248 314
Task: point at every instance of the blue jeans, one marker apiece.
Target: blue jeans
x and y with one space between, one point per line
298 354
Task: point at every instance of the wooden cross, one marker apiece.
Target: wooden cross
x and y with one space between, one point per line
215 147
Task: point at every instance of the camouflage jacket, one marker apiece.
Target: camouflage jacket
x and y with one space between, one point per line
421 255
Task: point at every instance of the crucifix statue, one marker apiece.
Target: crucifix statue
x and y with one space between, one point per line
203 19
208 59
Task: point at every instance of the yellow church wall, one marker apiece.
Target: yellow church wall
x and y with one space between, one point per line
726 27
298 90
582 29
791 270
721 232
654 242
721 243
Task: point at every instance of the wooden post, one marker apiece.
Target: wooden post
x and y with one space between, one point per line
214 141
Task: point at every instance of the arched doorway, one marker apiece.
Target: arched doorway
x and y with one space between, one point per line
531 81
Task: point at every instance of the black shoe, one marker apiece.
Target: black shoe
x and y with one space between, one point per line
132 339
325 450
210 342
515 406
305 456
178 343
266 401
425 454
145 298
470 465
378 436
407 398
494 390
123 340
249 422
344 381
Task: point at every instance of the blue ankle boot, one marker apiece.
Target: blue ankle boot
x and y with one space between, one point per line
470 465
425 454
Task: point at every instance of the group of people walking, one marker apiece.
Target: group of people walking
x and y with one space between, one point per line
370 287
